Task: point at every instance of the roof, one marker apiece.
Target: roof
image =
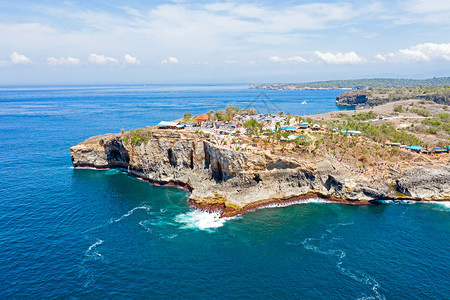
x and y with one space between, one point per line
288 127
415 147
439 149
351 131
289 138
303 125
203 117
167 124
316 126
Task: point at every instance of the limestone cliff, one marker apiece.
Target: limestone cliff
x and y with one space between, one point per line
234 181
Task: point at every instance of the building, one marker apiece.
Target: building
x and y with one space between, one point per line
289 138
415 148
440 150
316 127
303 126
168 125
288 128
202 118
351 132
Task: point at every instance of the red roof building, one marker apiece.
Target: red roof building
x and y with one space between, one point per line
202 118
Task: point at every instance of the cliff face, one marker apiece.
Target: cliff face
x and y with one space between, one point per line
351 100
234 181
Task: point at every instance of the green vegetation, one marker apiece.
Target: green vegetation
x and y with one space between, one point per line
358 83
440 123
221 115
398 108
253 126
138 136
364 116
382 133
421 112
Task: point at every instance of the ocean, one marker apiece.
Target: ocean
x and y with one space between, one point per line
81 233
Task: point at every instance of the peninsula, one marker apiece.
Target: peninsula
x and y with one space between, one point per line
236 160
354 84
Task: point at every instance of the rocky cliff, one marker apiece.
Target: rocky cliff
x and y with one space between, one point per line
235 181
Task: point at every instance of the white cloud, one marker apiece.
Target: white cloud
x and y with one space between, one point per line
3 63
427 6
276 59
101 59
131 60
420 52
340 58
292 59
297 59
71 61
170 60
17 58
381 57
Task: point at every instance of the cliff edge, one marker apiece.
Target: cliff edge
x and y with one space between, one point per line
232 181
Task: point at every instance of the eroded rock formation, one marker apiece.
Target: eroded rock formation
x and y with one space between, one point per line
235 181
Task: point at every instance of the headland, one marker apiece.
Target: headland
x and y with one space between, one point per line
236 160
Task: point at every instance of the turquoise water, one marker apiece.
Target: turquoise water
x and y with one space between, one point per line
68 232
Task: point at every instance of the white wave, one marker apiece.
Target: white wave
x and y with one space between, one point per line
304 201
200 220
91 252
129 213
442 205
398 202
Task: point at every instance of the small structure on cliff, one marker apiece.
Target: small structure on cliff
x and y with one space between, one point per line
202 118
415 148
288 128
316 127
303 126
168 125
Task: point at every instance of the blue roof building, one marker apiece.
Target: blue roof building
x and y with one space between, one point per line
289 128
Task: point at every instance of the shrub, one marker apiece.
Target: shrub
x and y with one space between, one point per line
398 108
137 137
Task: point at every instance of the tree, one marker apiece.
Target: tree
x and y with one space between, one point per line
219 115
210 114
187 116
398 108
253 126
231 110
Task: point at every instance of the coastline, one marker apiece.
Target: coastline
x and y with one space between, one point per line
230 211
228 170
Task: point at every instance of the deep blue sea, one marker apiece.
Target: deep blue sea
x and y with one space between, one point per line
71 233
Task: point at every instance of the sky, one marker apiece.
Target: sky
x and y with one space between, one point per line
139 42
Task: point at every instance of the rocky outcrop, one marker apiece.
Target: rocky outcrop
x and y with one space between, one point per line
351 100
426 183
235 181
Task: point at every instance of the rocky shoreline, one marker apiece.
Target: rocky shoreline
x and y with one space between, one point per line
233 182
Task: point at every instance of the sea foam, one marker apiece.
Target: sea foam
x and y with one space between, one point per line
91 252
442 205
129 213
200 220
303 201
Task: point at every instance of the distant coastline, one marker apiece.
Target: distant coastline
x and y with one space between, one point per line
354 84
